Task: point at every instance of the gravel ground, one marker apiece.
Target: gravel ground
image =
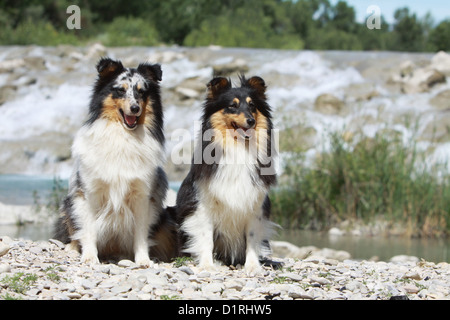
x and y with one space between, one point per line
43 270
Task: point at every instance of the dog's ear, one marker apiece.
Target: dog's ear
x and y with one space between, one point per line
150 71
216 86
257 84
107 67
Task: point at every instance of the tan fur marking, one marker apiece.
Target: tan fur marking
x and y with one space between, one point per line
261 128
70 227
111 109
148 117
239 119
74 245
248 99
221 122
261 121
109 69
258 84
79 194
212 90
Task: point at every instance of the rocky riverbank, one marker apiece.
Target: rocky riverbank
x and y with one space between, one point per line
44 270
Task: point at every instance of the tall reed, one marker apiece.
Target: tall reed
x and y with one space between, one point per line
380 177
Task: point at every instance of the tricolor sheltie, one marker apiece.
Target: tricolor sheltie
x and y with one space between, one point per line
223 205
118 186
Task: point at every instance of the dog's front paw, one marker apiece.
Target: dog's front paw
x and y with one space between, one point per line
72 246
253 269
207 266
90 258
144 262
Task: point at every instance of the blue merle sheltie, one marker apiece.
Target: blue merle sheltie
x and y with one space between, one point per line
223 205
114 208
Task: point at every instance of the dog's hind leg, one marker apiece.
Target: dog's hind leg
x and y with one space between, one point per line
200 232
254 238
87 232
145 217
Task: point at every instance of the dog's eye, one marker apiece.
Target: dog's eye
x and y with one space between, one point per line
234 105
120 91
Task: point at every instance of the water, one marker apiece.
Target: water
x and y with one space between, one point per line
18 189
28 231
364 247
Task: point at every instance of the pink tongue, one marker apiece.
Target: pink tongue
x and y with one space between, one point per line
130 120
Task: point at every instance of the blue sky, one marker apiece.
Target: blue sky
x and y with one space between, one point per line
440 9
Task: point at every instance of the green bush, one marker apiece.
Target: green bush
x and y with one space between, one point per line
126 31
333 39
41 33
361 181
242 28
440 36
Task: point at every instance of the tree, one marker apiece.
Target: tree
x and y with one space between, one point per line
322 12
301 15
408 32
130 32
375 39
175 19
243 27
440 36
343 17
333 39
326 27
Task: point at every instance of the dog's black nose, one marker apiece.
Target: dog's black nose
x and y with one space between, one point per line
251 122
135 109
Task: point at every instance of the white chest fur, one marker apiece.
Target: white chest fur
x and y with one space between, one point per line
236 186
114 162
109 152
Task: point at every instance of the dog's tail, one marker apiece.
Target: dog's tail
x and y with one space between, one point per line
164 236
64 227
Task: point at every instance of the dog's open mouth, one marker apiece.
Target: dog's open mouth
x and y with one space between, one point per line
246 133
129 121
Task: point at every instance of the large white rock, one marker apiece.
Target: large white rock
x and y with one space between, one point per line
4 248
404 258
284 249
416 79
422 80
19 214
441 62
